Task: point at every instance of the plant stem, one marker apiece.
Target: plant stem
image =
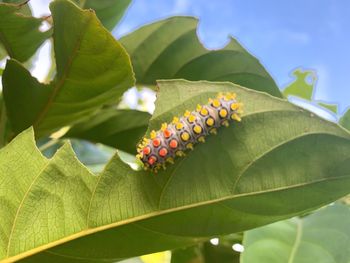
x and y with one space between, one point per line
48 144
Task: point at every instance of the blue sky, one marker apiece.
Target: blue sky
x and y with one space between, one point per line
284 35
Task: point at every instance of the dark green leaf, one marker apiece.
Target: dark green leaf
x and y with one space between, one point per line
279 162
220 253
121 129
108 11
345 120
321 237
170 49
92 69
23 6
19 33
206 253
191 254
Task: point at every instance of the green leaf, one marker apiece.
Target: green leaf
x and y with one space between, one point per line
301 87
170 49
108 11
92 69
321 237
121 129
345 120
2 121
332 107
206 253
19 33
191 254
279 162
23 7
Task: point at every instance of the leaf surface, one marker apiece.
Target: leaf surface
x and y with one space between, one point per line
321 237
303 85
280 161
332 107
92 69
108 11
121 129
20 36
345 120
170 49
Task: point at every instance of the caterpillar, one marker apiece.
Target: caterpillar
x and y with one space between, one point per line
183 133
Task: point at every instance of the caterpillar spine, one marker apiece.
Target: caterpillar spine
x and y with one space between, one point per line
175 138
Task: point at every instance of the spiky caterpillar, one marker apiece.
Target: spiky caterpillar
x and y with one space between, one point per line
183 133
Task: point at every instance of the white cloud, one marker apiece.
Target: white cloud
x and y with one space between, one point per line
181 6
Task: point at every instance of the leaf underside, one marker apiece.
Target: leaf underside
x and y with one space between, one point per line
170 49
108 11
92 69
280 161
121 129
321 237
20 36
345 120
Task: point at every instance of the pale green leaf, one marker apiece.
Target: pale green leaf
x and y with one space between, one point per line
92 69
345 120
303 85
170 49
332 107
121 129
322 237
279 162
20 36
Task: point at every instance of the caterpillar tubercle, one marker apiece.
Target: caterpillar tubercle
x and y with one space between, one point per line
183 133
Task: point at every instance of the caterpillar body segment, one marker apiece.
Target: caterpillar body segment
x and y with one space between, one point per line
175 138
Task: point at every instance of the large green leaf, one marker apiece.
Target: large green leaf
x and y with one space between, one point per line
322 237
170 49
108 11
20 36
92 69
279 162
121 129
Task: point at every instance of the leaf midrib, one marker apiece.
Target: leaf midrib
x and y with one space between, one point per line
20 207
60 82
245 168
90 231
296 241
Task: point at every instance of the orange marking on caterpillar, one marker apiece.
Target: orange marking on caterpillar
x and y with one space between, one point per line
184 132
